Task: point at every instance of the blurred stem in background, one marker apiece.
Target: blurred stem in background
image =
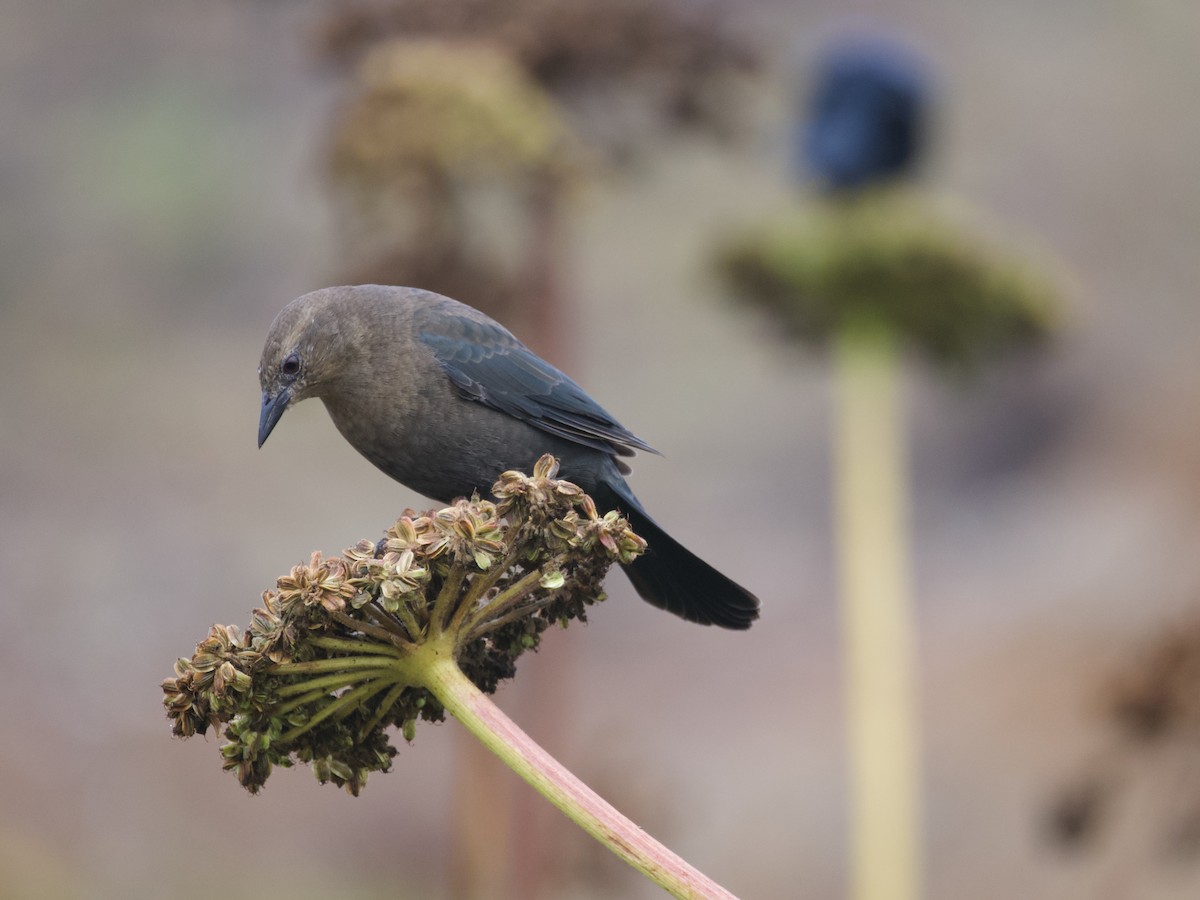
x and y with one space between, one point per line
872 511
870 275
861 125
869 270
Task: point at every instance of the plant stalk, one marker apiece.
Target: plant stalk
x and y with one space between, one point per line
878 621
581 804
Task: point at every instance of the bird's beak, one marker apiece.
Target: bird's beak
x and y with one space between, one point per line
272 412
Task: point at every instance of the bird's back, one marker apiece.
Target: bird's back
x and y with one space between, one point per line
444 399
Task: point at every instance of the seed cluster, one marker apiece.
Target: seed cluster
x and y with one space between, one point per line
333 657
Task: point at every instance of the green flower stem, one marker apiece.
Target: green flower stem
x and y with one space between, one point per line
335 664
342 706
470 601
480 585
513 614
872 516
330 683
450 592
349 646
441 675
313 695
509 597
350 701
327 683
381 632
384 708
403 618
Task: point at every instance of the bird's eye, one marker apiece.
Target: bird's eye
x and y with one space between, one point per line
290 365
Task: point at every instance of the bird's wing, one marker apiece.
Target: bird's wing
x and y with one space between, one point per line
487 364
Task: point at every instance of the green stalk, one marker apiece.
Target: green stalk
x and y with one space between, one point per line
440 674
513 614
447 597
333 664
872 517
385 706
407 620
308 689
342 706
401 641
498 605
481 584
356 646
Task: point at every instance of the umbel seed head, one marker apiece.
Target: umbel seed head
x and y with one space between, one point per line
337 652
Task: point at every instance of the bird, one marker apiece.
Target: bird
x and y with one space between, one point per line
867 114
443 399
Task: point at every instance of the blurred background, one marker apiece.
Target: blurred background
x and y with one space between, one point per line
171 175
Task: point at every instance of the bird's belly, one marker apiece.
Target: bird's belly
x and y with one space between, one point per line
464 450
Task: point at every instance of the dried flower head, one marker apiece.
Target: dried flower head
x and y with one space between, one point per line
322 581
681 62
426 129
1150 761
464 109
335 655
919 267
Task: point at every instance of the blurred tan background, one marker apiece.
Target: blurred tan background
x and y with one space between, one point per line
161 199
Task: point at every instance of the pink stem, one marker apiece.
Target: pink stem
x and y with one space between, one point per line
585 807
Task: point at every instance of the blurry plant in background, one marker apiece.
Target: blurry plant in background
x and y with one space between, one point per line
621 70
870 269
467 122
447 164
923 267
1153 719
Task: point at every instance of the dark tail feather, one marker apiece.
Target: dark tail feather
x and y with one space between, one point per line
671 577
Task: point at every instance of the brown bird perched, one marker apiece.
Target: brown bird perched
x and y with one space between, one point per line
443 399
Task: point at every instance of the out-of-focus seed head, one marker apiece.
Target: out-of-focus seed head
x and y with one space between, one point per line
924 269
1153 712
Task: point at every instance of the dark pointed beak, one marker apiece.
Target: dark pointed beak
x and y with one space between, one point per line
272 411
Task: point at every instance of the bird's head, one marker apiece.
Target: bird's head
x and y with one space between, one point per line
306 350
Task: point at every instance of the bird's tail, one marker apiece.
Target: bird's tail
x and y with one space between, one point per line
671 577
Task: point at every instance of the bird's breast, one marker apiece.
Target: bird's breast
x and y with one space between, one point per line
452 448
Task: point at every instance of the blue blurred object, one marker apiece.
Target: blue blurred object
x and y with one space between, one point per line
865 120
